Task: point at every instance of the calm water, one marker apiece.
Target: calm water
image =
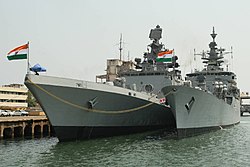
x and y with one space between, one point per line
227 147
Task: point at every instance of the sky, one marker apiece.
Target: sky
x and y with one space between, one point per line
73 39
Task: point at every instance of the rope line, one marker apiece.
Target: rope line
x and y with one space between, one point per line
87 109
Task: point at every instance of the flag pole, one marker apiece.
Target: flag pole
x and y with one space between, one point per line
28 59
173 61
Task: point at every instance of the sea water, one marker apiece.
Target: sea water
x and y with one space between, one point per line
225 147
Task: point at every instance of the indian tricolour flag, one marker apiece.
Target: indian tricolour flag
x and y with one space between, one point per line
20 52
165 56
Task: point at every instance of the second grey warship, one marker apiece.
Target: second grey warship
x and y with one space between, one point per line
129 100
208 99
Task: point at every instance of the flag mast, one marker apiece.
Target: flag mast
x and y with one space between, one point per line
28 59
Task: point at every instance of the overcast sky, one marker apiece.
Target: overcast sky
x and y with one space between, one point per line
73 38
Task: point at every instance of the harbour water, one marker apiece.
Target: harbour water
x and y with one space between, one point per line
226 147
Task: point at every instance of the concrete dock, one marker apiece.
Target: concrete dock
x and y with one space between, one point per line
244 103
24 126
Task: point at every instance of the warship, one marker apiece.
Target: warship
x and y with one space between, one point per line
208 99
128 101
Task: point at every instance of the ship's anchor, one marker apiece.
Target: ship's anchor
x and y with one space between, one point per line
190 104
92 103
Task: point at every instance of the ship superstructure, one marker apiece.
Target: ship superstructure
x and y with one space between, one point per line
213 77
144 75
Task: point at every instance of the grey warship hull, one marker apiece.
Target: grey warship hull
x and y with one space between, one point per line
82 110
197 111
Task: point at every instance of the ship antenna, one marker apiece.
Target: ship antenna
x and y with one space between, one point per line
194 55
120 47
213 35
232 58
195 62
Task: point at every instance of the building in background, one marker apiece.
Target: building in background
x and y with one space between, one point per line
13 96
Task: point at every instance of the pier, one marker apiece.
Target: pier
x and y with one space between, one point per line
244 103
24 126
